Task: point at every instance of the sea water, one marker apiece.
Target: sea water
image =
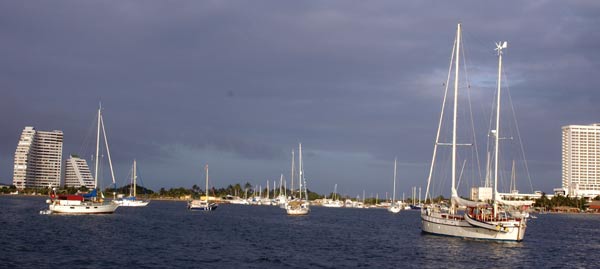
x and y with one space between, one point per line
167 235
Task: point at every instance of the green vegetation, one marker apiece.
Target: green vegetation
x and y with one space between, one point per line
560 201
8 190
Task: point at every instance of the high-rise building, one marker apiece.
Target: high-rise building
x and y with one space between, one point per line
581 160
77 173
38 159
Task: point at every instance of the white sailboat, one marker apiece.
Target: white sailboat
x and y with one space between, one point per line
200 204
299 206
282 197
88 203
477 220
131 200
394 207
334 201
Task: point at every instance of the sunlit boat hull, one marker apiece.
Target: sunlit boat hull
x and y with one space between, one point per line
82 208
297 211
131 203
199 205
296 208
461 226
394 209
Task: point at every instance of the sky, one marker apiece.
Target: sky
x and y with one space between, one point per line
238 84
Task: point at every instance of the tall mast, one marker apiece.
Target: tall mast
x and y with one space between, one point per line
134 178
457 60
280 184
300 172
394 193
513 178
334 191
284 188
499 47
437 136
112 173
206 169
97 148
293 168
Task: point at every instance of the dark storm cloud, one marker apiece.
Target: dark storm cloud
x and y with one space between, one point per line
241 83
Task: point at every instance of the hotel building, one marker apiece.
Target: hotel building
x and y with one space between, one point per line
581 160
77 173
38 159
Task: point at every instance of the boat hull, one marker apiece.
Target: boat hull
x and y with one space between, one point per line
297 211
458 226
131 203
333 204
83 208
203 208
394 209
297 207
200 205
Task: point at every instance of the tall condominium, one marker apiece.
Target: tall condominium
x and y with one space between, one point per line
77 173
581 160
38 159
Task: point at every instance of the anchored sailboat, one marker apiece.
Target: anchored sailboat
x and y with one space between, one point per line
131 200
394 207
478 220
299 206
334 201
88 203
200 204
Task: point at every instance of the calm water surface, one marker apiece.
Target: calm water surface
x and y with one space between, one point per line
166 234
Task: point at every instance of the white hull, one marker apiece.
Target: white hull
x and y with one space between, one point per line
201 205
239 202
458 226
297 208
394 209
336 204
131 203
297 211
82 208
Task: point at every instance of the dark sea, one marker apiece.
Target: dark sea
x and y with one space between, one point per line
166 235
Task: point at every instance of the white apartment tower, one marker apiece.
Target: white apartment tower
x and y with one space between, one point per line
581 160
38 159
77 173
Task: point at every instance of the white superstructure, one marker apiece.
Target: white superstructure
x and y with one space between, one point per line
581 160
38 159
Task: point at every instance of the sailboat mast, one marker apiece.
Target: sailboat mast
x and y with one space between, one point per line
300 176
334 191
97 148
394 192
513 178
293 168
206 171
134 178
456 69
280 184
499 48
112 173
